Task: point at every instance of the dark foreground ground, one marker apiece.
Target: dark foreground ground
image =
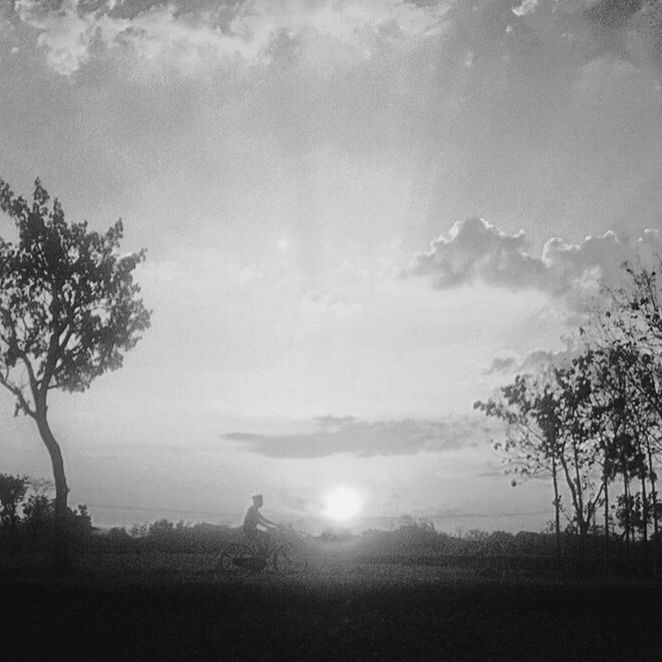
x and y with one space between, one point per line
180 611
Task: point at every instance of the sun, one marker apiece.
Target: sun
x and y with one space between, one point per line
342 504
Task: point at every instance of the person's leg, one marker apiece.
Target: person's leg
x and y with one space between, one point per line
262 542
252 540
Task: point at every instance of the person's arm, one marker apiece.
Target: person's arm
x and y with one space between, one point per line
266 522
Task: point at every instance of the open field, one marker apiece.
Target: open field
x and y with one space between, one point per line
172 607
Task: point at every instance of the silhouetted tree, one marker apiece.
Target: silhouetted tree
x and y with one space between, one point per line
633 327
643 326
611 414
161 528
69 308
551 430
533 441
38 513
596 420
579 429
12 491
39 519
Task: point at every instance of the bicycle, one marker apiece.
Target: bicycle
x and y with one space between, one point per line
240 559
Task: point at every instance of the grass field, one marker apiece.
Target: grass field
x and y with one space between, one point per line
172 607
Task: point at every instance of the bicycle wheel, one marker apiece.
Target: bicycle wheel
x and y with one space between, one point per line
236 559
289 560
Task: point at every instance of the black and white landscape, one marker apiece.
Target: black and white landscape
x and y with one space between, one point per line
391 264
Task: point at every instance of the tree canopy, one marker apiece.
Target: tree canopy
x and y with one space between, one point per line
69 309
68 302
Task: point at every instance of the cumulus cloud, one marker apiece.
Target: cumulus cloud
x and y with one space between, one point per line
367 438
475 250
71 32
63 36
190 36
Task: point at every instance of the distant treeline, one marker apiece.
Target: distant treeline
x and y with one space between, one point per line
27 517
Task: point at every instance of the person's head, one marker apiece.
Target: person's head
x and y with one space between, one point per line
258 500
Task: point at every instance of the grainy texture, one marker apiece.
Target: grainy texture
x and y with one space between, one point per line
335 612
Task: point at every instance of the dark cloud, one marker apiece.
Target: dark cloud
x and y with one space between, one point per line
613 14
631 29
368 438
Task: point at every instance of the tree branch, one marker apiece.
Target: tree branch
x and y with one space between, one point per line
17 392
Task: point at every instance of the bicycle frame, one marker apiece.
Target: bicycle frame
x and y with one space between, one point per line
244 557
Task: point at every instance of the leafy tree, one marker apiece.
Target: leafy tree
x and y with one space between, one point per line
579 427
643 326
39 518
69 308
630 424
633 328
162 528
612 414
533 441
38 514
550 431
12 491
139 530
80 521
597 419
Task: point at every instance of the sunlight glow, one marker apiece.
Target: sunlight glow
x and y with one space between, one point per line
342 504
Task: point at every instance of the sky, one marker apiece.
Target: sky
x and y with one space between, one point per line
360 217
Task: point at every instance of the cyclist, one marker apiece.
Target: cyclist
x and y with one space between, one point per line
257 537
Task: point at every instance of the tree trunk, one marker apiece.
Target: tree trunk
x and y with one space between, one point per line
626 494
606 484
557 515
644 514
656 537
61 547
583 519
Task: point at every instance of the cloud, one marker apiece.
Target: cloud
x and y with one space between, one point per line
475 250
63 36
69 34
365 438
630 29
533 360
613 13
527 7
335 421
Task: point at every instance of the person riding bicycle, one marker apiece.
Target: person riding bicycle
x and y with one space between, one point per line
257 538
